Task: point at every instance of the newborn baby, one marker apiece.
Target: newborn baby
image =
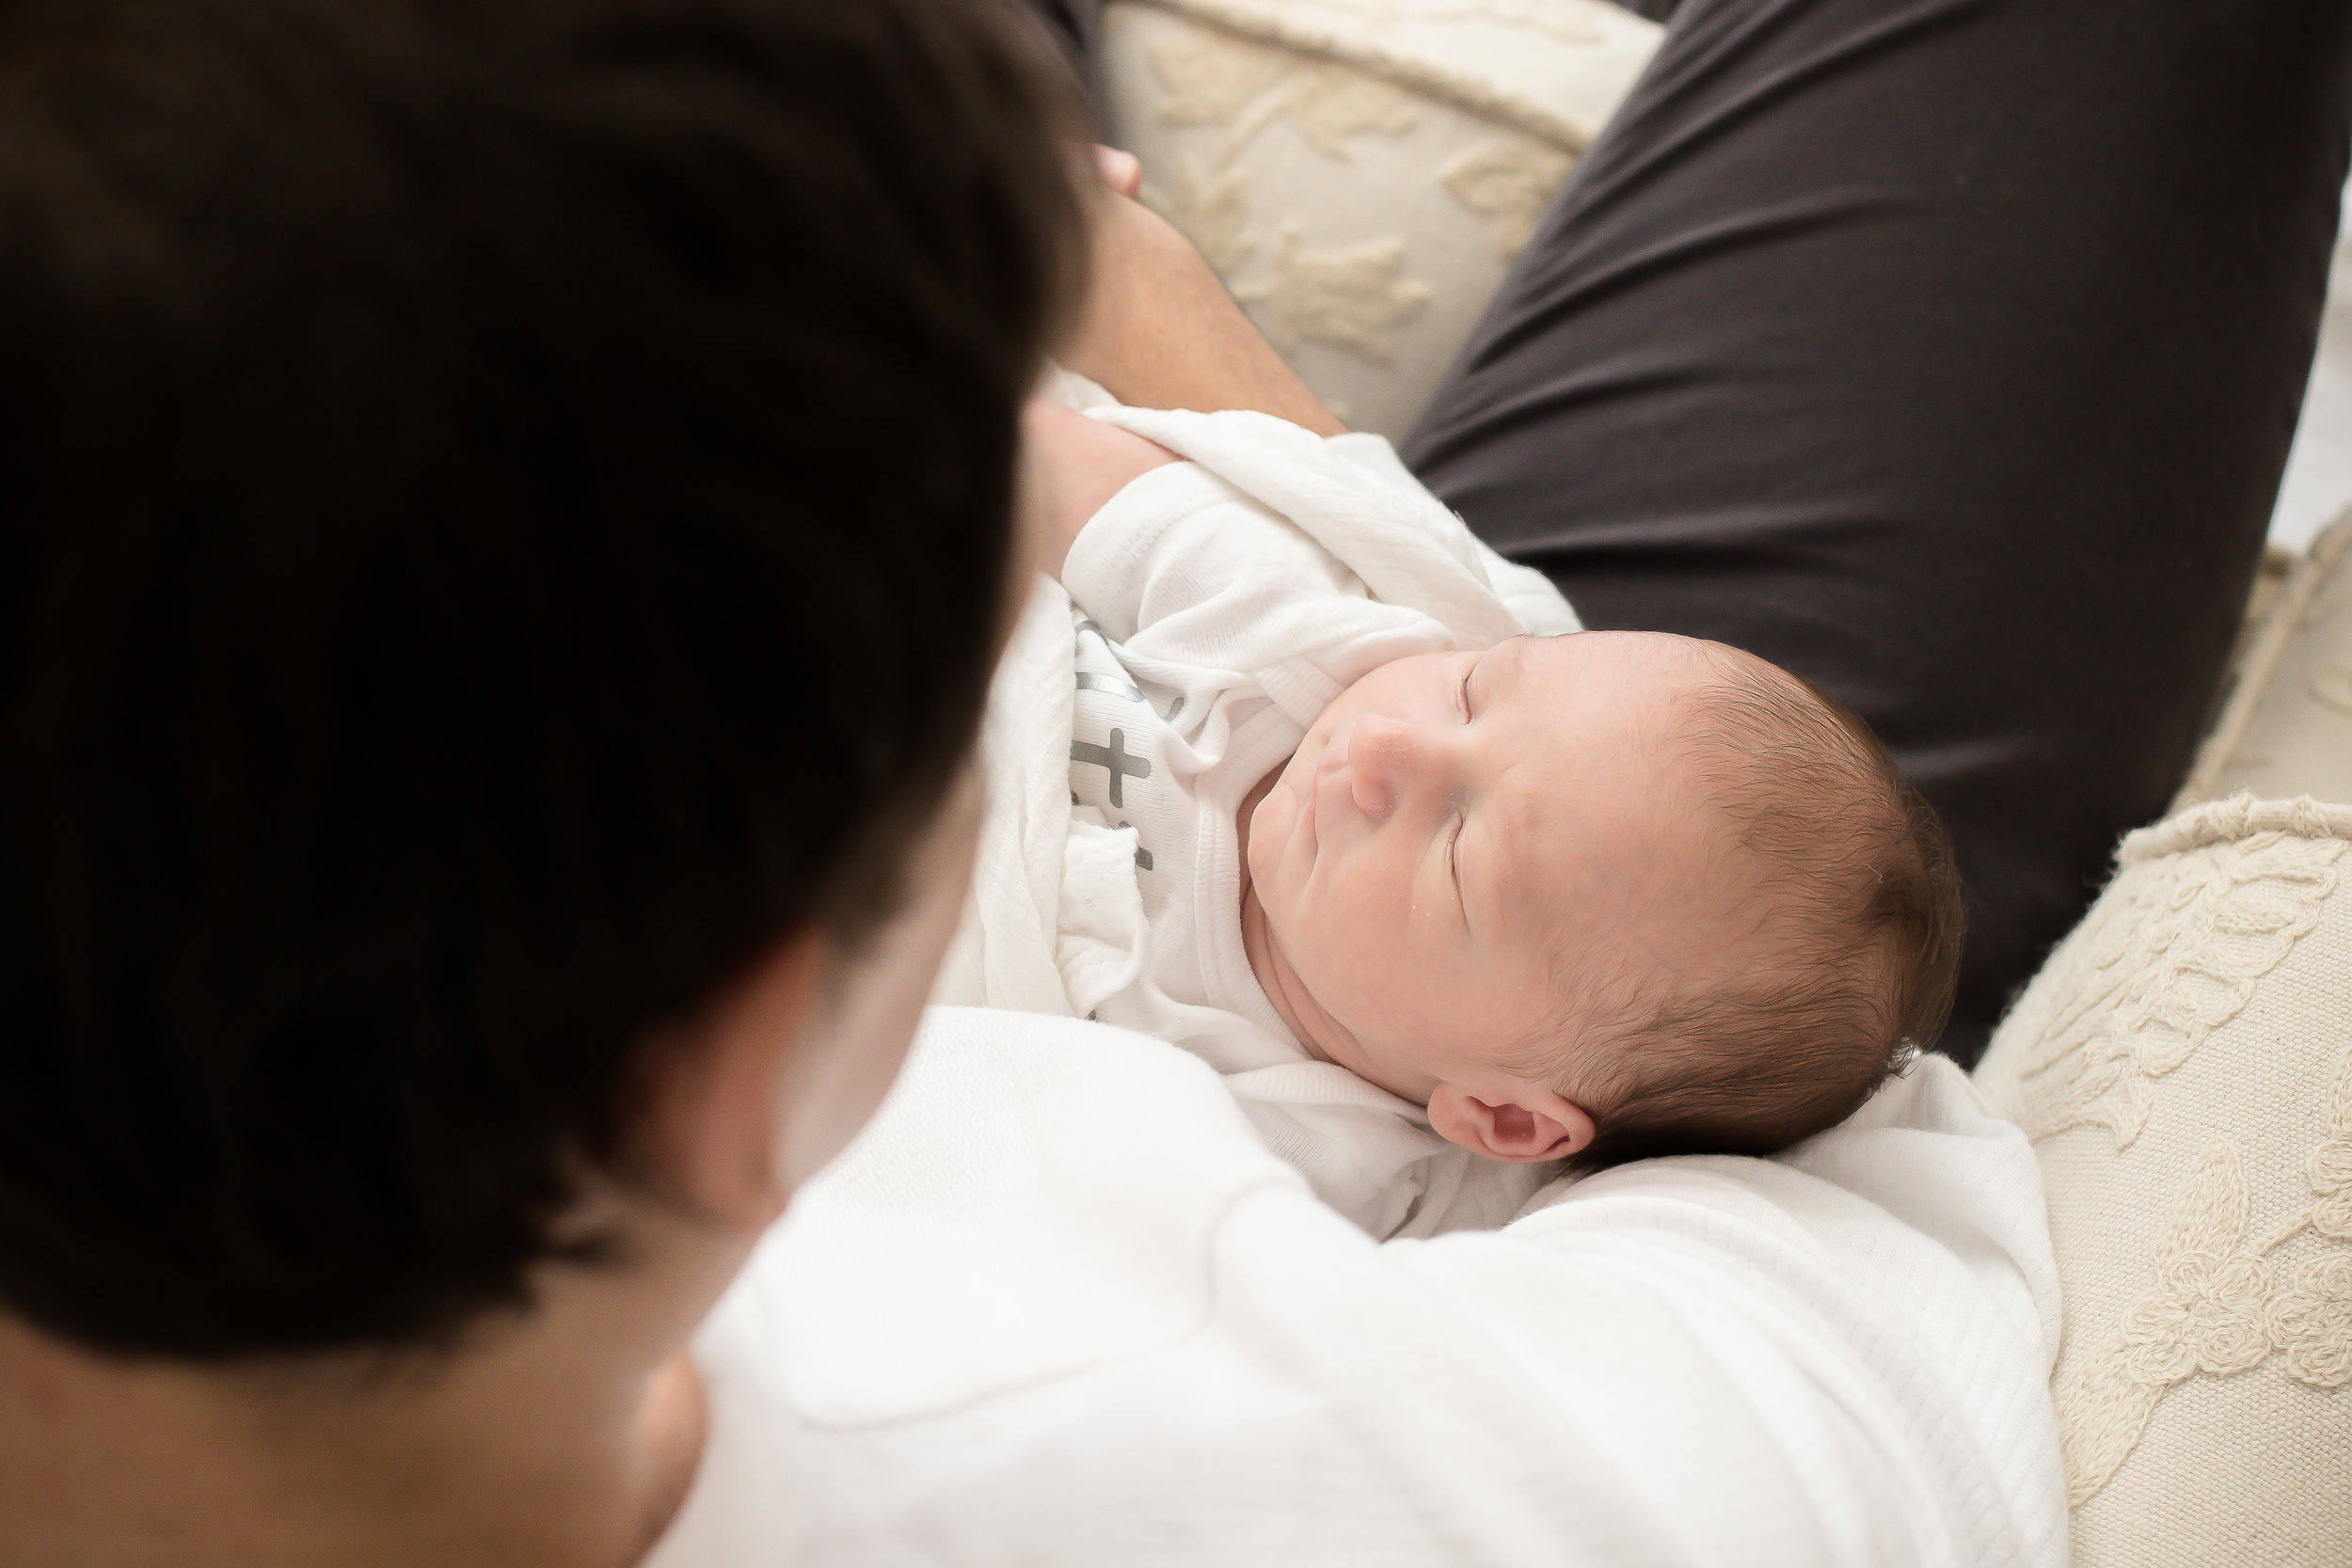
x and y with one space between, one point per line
1600 896
1580 897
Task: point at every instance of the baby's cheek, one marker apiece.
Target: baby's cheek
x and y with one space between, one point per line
1364 957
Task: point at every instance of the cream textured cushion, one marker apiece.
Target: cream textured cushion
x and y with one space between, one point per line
1360 171
2184 1063
2286 728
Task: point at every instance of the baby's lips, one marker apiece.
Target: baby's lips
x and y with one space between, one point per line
1298 832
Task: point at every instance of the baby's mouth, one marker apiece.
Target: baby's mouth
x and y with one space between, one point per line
1304 823
1308 792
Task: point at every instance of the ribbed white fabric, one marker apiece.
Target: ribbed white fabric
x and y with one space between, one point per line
1351 496
1059 1306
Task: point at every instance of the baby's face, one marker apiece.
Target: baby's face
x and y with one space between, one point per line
1455 823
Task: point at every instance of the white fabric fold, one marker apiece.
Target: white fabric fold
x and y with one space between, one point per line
1353 497
1059 1306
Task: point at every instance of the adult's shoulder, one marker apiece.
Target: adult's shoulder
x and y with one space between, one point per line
1037 1196
1060 1304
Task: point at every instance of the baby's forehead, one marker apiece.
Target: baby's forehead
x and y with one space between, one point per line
1601 779
1553 840
1618 658
1592 699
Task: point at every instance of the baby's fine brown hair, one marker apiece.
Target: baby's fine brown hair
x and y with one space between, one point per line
1861 951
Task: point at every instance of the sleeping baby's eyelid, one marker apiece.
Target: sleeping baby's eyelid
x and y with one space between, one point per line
1453 856
1465 692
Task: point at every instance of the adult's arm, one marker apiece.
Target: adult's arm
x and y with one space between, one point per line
1059 1306
1161 332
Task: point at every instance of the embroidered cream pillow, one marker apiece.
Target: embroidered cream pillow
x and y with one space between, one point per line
1360 171
2287 726
2184 1063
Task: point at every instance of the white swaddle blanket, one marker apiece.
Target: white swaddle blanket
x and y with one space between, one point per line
1008 1329
1056 922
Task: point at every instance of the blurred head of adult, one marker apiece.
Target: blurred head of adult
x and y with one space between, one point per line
505 517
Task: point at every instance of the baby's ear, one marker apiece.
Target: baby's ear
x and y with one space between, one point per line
1530 1124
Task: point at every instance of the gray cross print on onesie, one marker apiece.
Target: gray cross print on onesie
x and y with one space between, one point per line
1089 681
1115 758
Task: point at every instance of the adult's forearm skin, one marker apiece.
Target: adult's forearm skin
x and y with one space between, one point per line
1160 331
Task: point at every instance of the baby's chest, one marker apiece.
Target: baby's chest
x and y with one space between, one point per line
1132 758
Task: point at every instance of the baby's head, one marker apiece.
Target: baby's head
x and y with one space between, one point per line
1605 895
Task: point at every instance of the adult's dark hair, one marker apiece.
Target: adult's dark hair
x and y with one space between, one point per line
503 513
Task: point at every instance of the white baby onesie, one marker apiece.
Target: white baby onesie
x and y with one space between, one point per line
1209 631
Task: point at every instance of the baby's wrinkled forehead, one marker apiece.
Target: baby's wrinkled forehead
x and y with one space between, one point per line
1588 699
1653 663
1606 782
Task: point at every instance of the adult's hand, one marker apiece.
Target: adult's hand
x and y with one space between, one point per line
1160 331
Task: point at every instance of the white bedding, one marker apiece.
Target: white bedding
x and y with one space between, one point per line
1059 1306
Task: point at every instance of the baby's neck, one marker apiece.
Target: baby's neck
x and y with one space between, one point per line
1313 1028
